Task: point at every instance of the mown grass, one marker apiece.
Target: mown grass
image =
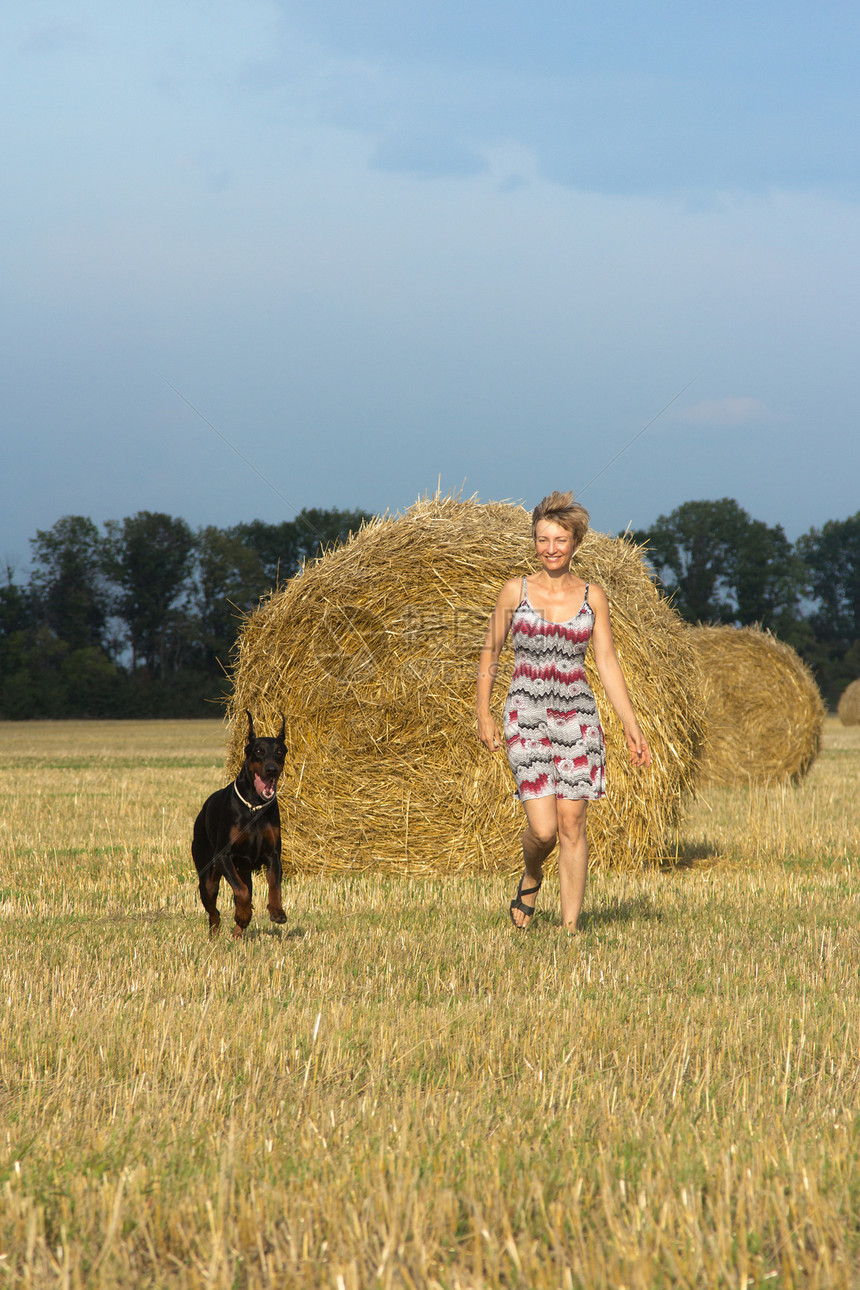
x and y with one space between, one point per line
398 1090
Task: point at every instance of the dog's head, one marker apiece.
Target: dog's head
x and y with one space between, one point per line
265 759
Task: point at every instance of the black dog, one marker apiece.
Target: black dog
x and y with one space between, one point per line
239 831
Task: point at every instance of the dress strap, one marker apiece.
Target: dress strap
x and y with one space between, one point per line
525 588
585 598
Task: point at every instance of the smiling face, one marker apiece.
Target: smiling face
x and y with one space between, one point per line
554 545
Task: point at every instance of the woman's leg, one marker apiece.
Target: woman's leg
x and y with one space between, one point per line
538 840
572 859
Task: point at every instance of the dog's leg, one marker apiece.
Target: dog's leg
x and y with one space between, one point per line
239 877
208 877
274 874
275 906
209 884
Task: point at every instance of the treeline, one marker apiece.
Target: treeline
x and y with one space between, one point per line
721 566
138 619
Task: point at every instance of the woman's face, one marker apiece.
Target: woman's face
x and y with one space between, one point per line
554 545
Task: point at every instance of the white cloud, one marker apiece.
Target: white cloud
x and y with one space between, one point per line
727 413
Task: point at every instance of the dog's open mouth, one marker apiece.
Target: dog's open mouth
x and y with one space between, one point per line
265 787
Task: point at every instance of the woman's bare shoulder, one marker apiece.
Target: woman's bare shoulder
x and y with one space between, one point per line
511 593
597 596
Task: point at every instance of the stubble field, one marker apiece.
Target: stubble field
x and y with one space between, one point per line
398 1090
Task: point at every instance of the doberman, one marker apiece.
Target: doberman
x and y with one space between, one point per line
239 831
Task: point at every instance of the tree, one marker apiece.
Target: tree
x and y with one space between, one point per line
148 556
16 608
282 547
719 565
17 621
318 530
229 581
767 577
69 583
832 556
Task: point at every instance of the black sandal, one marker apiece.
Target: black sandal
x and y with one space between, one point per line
517 903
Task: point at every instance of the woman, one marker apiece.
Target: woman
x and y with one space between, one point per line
552 728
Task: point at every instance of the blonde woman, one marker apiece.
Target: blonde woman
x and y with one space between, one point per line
553 736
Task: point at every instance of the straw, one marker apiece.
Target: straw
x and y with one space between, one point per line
848 709
762 707
372 653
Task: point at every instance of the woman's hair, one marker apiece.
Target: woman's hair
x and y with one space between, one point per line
561 509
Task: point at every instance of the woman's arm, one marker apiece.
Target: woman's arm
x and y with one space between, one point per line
612 678
488 664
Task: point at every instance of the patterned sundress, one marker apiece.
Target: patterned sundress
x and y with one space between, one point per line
553 734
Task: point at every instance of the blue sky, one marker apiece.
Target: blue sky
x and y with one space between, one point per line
386 245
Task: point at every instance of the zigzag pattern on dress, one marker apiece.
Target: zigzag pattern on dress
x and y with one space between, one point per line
552 727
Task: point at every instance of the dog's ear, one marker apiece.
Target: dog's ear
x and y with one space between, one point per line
250 726
282 733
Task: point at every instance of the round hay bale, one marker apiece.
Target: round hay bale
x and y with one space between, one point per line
372 652
848 710
763 711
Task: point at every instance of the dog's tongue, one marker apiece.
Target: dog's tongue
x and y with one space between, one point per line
264 787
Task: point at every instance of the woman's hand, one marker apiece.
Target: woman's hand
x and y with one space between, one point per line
637 744
488 732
